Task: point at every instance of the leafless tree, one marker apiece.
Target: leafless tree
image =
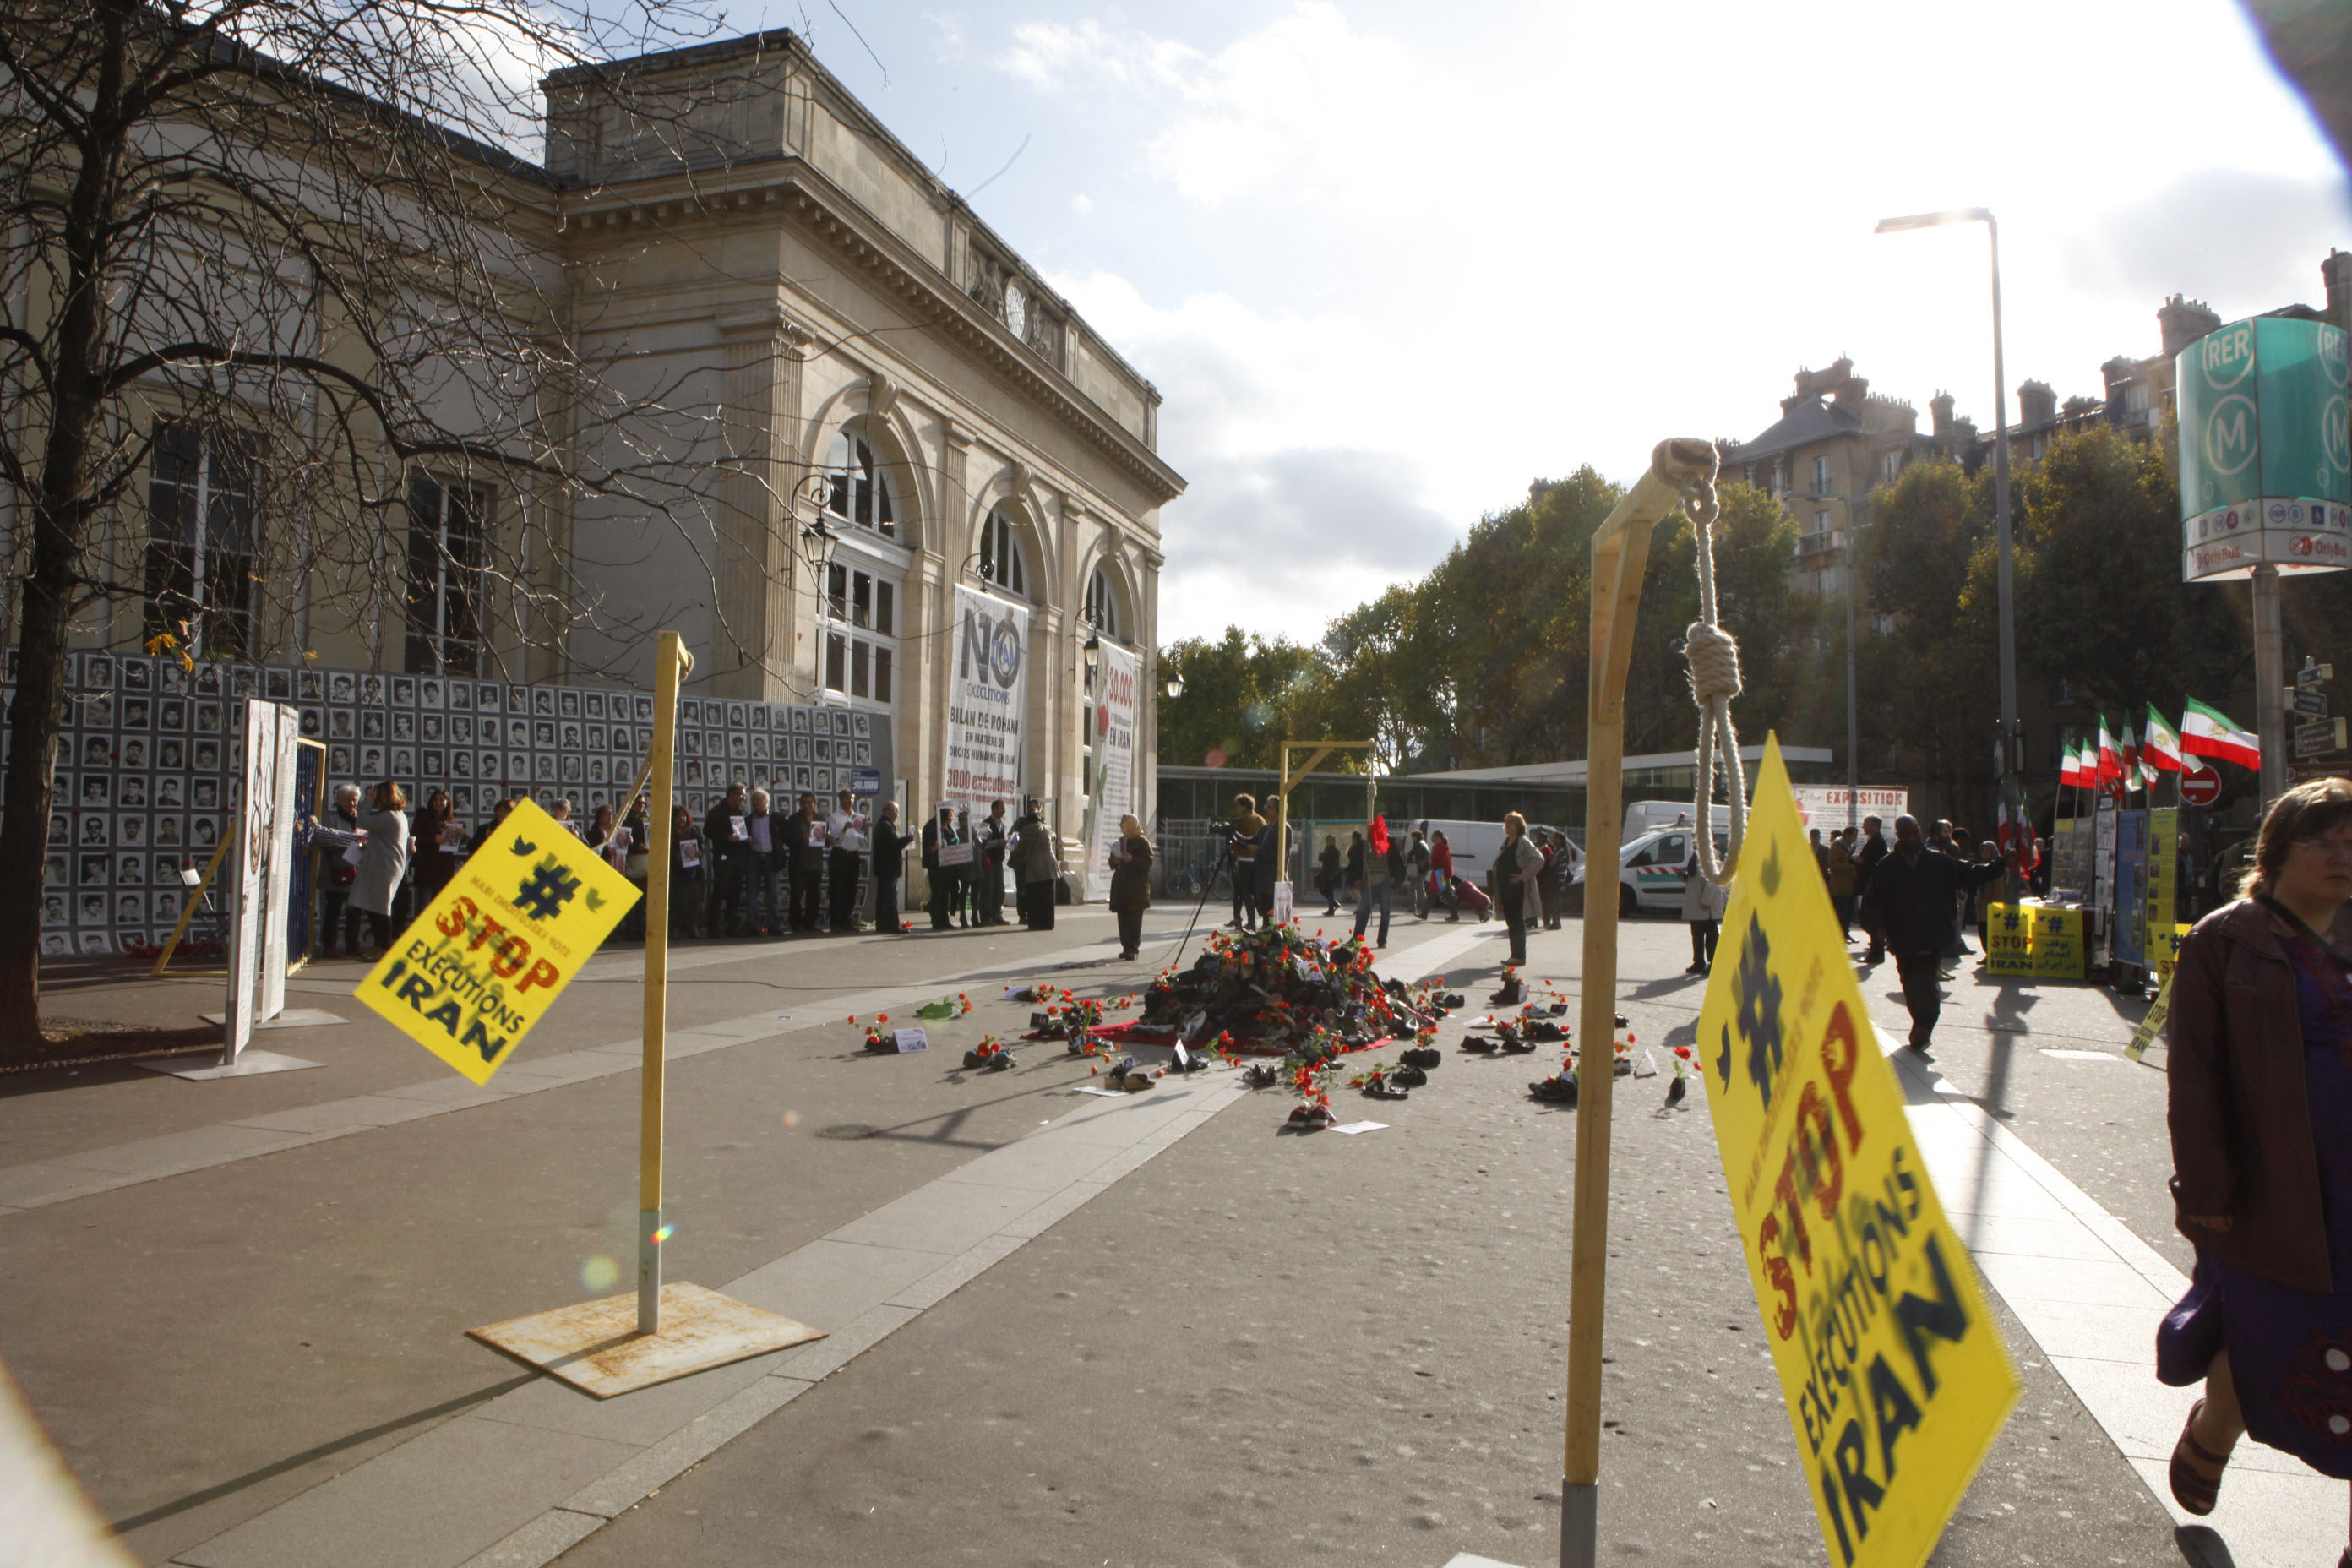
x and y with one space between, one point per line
271 260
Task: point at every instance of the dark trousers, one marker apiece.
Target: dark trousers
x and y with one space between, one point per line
1843 904
1703 937
727 894
885 905
847 869
990 892
808 897
942 897
1131 929
1922 991
379 929
1514 918
1037 904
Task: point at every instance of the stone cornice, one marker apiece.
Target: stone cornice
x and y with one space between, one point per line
787 188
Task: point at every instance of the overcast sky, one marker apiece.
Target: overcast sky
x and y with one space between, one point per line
1387 263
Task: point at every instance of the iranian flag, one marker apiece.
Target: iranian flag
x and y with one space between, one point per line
2161 750
2130 749
2111 761
2070 768
2207 732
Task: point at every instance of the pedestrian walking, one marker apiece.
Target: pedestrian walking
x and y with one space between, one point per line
384 861
1843 875
2260 1087
1130 883
890 842
1441 875
991 839
1865 863
1703 906
1416 872
1326 875
1383 870
1517 865
845 832
1912 896
1356 866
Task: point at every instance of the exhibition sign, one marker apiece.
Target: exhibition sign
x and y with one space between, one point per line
1894 1372
1111 791
988 697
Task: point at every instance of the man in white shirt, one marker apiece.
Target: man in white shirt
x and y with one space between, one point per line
844 829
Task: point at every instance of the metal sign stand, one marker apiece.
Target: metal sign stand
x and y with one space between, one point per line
661 1332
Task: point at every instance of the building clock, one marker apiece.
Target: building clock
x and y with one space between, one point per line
1016 309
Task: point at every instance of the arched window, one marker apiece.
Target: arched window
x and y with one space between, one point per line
1102 606
859 490
999 554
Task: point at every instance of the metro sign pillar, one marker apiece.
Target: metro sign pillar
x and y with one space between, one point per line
2265 481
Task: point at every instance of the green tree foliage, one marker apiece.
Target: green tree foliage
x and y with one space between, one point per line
2099 596
1242 696
1483 662
1929 689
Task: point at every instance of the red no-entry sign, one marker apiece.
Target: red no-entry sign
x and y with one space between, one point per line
2201 787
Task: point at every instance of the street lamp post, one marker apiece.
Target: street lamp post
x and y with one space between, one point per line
2011 761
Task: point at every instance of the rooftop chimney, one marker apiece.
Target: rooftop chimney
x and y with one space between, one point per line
2183 320
2037 404
1939 410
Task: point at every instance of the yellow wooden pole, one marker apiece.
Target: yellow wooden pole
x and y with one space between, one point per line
671 662
195 897
1621 551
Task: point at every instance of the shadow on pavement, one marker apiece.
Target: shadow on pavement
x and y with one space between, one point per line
308 1456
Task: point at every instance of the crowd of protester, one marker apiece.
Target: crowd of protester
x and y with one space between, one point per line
750 866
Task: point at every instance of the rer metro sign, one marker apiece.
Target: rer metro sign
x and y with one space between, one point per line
2265 449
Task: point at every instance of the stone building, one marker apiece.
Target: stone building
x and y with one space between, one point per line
882 400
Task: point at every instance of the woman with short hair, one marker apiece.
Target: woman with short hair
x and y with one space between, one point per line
384 861
2260 1085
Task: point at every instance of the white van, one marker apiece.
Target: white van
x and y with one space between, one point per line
1650 869
1648 816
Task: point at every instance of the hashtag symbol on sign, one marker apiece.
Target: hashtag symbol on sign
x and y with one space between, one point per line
549 887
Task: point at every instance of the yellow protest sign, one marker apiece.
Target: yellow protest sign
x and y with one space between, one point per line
2153 1023
2034 941
1895 1377
481 963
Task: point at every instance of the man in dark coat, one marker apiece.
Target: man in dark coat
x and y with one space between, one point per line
939 830
804 836
1865 860
991 836
1913 892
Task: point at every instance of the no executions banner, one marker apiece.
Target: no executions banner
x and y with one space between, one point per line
485 960
987 698
1894 1373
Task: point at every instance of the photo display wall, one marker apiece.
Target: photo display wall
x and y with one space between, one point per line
151 753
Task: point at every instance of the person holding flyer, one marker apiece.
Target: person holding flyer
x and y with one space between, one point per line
845 831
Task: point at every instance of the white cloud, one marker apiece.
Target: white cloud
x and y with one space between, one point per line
1442 258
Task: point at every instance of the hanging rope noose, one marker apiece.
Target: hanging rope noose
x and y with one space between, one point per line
1714 658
